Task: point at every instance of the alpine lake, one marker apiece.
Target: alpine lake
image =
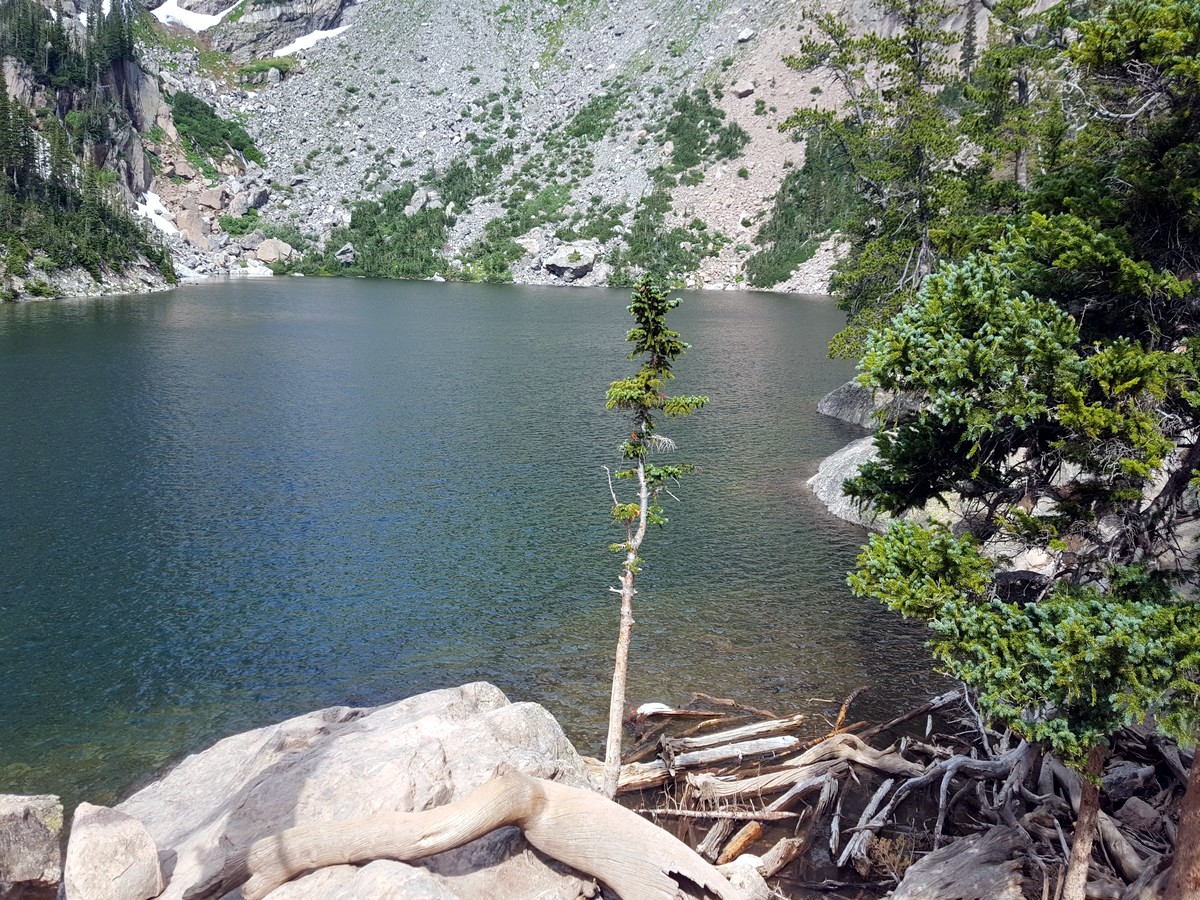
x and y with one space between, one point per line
238 501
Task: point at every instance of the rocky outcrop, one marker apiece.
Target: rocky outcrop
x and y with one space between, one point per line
348 763
861 406
571 261
834 470
273 250
266 27
30 858
110 857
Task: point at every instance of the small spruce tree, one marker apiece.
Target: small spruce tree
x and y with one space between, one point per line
642 396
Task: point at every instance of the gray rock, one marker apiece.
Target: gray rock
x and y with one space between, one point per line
344 763
239 205
252 241
743 89
193 227
747 35
346 255
213 198
274 250
257 197
417 203
834 470
30 857
110 857
858 405
570 261
1140 816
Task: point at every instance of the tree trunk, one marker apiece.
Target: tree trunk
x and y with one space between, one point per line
635 858
1185 870
1021 162
616 703
1075 887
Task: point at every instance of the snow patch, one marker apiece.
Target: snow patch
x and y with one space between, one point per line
307 41
171 11
152 208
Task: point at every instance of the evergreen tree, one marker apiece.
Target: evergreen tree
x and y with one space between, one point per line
1058 374
642 396
898 138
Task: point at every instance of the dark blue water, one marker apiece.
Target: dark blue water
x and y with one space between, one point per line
236 502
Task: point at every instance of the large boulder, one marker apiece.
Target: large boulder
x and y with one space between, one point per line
853 403
834 470
30 857
274 250
110 857
570 261
346 763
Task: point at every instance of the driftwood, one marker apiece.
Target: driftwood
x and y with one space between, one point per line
673 747
635 858
980 867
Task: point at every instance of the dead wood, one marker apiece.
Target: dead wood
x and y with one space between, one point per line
1128 862
673 746
739 751
635 858
751 832
710 847
856 847
782 855
980 867
735 815
939 702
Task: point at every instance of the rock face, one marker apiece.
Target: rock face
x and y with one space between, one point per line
110 857
343 763
30 858
858 405
834 470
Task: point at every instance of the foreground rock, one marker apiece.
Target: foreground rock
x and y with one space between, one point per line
30 858
344 763
111 857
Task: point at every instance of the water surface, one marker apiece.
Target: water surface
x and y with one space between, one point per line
236 502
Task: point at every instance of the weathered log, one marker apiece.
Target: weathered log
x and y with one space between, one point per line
753 831
710 847
673 746
713 755
783 854
815 761
856 847
635 858
980 867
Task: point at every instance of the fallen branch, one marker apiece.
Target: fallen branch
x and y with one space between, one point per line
635 858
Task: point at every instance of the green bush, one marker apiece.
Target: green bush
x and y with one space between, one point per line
207 132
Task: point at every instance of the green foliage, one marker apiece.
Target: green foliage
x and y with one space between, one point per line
897 138
1065 671
653 249
597 116
238 226
1057 381
206 132
811 202
642 396
698 132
